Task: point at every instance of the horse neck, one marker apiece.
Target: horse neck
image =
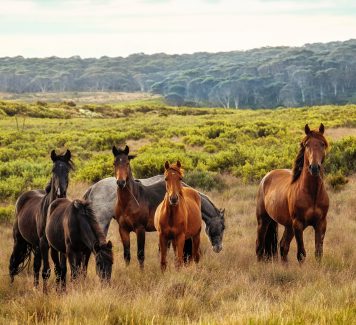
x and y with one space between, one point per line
89 235
49 198
129 192
310 184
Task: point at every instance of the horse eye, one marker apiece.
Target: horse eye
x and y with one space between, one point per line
166 178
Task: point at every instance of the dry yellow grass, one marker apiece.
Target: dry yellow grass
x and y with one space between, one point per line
226 288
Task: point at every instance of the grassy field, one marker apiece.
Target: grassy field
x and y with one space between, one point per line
230 287
225 153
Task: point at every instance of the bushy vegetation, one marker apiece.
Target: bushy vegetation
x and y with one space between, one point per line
314 74
244 143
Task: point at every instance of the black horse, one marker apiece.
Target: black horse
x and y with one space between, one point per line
31 215
72 231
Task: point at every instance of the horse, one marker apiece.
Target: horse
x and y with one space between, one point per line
72 231
30 221
103 197
295 199
178 216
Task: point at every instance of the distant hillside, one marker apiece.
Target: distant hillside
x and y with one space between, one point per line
267 77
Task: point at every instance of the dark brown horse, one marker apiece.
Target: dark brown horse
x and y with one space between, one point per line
30 223
295 199
135 206
73 231
178 217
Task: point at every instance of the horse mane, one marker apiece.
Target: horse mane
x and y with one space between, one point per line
217 210
91 219
299 160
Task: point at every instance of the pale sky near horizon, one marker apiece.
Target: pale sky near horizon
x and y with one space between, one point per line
94 28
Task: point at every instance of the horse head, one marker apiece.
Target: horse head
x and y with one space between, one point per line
173 176
315 146
104 260
122 165
62 165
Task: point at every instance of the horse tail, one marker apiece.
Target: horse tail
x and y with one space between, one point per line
21 254
271 240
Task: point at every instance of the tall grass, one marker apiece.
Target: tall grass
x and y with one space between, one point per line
225 288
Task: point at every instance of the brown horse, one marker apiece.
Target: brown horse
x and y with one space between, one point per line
178 217
31 216
73 231
295 199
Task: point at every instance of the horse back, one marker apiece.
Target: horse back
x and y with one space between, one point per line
273 195
28 205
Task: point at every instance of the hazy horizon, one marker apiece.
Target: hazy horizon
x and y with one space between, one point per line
93 28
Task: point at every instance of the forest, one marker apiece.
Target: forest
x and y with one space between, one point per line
314 74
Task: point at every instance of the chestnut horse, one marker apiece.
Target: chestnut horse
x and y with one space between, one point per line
295 199
31 215
178 217
73 231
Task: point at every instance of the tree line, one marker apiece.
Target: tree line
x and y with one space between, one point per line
314 74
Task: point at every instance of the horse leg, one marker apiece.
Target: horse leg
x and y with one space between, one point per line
57 267
37 260
298 232
73 263
196 250
46 271
320 229
63 261
163 246
179 242
141 236
125 238
263 223
188 250
86 257
285 243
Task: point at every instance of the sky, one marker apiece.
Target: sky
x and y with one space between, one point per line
94 28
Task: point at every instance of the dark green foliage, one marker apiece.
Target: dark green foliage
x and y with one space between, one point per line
204 180
314 74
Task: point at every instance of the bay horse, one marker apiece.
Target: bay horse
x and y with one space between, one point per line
178 217
30 220
73 231
295 199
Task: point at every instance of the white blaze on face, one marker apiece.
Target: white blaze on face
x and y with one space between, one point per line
59 191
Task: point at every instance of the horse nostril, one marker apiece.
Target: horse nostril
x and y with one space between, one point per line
121 183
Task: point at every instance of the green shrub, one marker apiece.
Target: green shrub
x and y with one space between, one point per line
204 180
7 214
336 181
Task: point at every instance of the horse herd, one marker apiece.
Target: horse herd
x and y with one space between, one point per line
48 222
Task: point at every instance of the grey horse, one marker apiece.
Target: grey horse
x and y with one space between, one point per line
103 196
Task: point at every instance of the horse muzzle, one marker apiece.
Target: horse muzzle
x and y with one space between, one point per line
217 248
173 200
314 169
121 183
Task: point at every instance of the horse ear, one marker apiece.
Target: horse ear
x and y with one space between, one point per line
67 155
307 129
321 128
115 151
126 150
131 157
178 164
166 165
222 211
53 155
109 244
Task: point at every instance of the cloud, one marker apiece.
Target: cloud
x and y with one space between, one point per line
95 28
